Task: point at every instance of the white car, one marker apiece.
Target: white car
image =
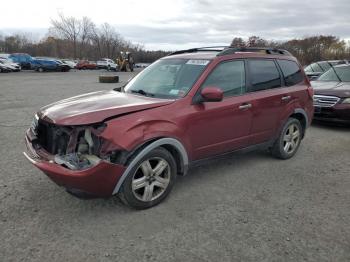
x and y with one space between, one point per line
10 64
108 64
70 63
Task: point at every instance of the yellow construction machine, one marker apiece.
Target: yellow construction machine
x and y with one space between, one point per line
125 62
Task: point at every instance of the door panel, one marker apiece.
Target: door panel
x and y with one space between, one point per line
267 106
268 98
220 127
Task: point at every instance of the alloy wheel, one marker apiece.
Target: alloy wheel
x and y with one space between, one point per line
151 179
291 138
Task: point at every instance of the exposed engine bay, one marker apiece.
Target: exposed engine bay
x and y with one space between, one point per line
75 147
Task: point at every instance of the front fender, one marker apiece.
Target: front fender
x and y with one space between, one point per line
160 142
130 137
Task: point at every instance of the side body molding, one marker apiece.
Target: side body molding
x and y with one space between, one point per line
163 141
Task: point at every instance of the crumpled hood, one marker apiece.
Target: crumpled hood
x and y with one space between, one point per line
97 106
332 88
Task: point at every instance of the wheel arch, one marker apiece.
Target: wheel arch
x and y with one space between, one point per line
301 115
174 146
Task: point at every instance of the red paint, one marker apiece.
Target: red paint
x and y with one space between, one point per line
84 64
98 180
205 129
212 94
95 107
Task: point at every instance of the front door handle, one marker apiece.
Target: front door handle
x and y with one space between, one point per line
245 106
285 98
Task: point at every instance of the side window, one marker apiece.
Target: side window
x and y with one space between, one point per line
263 74
291 72
229 76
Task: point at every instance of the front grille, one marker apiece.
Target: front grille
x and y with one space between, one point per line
51 138
325 101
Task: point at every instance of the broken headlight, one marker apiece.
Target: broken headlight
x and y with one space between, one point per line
34 124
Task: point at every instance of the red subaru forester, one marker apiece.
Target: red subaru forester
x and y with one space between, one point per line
188 106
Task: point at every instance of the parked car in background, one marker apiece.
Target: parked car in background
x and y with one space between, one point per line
24 60
85 64
64 67
45 64
106 63
332 95
4 56
4 68
188 106
142 65
316 69
72 64
13 66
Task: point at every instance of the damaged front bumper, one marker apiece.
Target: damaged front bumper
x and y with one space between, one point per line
97 180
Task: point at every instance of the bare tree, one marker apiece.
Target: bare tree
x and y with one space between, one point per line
87 31
68 28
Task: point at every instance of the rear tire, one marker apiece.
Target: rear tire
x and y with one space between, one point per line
150 180
288 142
40 69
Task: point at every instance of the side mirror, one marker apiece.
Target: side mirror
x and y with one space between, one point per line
212 94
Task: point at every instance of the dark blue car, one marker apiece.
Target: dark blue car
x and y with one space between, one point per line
25 60
46 64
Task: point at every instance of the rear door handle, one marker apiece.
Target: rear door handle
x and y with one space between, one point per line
285 98
245 106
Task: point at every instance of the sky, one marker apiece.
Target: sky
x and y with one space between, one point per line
177 24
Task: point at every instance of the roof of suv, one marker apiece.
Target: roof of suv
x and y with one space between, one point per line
213 52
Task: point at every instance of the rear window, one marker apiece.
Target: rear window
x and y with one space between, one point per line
263 74
291 72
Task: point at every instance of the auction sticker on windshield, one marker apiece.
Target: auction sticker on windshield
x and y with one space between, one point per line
197 62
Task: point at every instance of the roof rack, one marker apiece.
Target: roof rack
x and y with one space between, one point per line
200 49
228 50
267 50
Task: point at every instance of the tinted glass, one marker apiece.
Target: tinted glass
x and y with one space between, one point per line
291 72
316 67
229 76
263 75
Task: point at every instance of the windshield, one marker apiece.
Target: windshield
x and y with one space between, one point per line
5 61
308 69
336 74
167 78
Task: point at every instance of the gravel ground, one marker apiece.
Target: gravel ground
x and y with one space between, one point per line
246 207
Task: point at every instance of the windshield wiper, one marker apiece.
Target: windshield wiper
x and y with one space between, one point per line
142 92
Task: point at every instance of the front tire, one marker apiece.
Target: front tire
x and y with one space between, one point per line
150 180
289 140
